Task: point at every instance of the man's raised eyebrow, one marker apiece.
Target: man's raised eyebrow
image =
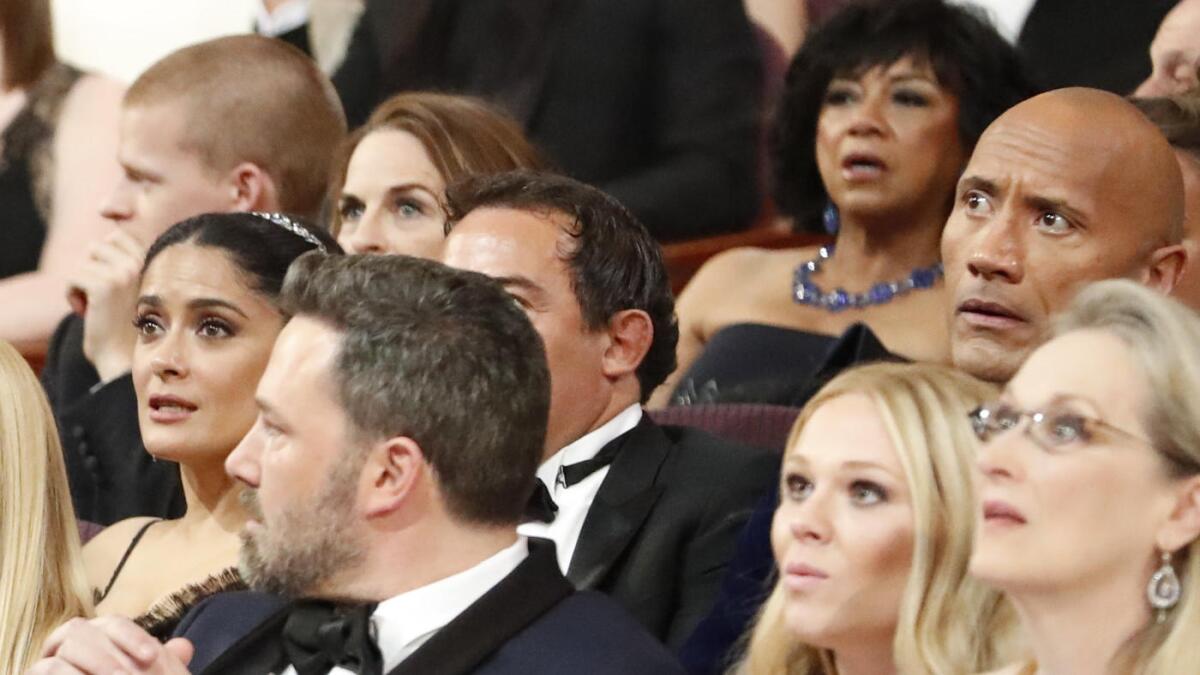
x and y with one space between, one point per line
519 282
978 183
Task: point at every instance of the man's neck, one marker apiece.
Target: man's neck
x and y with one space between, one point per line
420 555
556 441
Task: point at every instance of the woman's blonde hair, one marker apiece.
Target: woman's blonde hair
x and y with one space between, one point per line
41 576
948 624
1164 339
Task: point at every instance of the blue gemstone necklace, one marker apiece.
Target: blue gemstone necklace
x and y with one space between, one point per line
806 292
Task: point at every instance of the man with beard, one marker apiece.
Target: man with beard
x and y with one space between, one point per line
402 418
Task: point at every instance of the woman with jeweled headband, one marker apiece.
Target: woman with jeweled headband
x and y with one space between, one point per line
207 318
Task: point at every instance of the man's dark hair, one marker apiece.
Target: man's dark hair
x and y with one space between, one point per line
615 264
967 55
441 356
258 246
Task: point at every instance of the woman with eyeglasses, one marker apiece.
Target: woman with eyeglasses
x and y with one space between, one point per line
1089 497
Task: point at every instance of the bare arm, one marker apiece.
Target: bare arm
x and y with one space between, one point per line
785 20
85 169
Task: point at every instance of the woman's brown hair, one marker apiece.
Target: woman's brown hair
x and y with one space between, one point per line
28 39
464 136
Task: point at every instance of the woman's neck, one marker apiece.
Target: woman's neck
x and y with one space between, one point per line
872 249
1080 631
867 657
213 498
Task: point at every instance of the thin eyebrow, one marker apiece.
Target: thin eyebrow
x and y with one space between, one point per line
198 303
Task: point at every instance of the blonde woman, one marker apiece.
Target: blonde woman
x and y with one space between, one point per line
41 577
873 534
1089 501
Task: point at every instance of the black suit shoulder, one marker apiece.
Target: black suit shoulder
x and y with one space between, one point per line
220 621
584 634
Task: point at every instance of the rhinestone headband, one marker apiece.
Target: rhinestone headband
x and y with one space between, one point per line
291 226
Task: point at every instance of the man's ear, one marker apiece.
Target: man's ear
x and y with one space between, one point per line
392 472
252 188
630 332
1183 525
1165 268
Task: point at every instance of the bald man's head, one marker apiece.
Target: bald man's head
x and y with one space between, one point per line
1069 187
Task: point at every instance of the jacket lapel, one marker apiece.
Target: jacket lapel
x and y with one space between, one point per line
531 590
260 651
626 497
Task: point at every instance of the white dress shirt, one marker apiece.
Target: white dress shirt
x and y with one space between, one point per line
574 502
1008 16
405 622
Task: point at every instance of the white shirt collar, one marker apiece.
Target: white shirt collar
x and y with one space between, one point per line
587 446
287 17
404 622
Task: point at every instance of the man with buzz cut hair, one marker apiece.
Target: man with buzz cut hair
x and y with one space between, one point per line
242 123
402 416
645 513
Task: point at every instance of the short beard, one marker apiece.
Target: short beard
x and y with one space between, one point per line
308 547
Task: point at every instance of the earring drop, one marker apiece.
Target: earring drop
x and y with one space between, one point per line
1164 588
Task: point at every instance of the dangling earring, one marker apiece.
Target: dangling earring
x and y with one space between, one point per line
830 219
1164 589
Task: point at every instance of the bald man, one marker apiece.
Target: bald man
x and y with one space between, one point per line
1066 188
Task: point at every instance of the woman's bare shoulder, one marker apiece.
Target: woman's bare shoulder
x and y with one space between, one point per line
741 264
104 551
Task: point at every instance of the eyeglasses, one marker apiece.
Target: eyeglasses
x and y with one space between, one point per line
1054 430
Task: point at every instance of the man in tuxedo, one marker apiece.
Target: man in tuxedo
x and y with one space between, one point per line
643 513
402 417
1066 188
234 124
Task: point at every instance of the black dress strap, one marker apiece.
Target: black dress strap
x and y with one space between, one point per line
125 558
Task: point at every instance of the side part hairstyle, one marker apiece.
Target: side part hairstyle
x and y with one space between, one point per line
262 246
463 136
248 98
1164 338
28 41
948 623
443 357
614 262
42 583
965 52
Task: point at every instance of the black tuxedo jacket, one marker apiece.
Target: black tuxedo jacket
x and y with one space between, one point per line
1092 43
662 528
111 475
654 101
533 621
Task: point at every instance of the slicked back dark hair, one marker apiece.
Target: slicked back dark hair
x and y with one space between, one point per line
615 263
442 356
260 248
967 55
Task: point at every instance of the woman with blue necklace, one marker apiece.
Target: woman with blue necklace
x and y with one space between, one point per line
882 107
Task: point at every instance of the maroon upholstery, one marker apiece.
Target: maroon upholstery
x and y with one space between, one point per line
88 529
757 424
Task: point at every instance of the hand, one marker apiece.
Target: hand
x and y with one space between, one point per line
109 283
110 644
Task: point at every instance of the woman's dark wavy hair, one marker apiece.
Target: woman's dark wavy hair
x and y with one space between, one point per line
968 56
261 249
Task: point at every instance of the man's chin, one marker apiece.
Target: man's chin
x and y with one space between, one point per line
987 359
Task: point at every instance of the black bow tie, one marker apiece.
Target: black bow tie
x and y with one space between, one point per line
320 635
541 507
